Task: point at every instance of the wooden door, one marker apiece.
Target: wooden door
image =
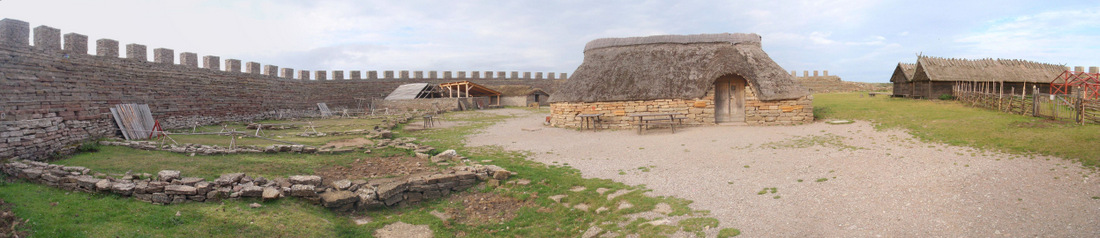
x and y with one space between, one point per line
722 100
737 100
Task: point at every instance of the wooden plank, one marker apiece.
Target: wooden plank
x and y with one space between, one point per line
118 121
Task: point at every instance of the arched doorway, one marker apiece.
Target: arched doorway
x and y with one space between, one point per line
729 99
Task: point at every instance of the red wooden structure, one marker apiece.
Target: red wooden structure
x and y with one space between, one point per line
1069 81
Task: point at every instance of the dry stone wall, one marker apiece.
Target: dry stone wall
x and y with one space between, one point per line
52 97
170 187
698 111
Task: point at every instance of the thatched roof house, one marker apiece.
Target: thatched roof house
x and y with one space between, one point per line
726 73
903 74
673 66
935 76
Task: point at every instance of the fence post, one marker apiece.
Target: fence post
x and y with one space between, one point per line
1079 106
1034 102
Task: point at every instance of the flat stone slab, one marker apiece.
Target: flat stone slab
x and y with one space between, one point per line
404 230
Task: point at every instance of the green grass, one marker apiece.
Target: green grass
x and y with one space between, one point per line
290 135
97 215
956 124
728 232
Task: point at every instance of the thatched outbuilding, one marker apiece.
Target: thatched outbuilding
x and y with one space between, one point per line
903 79
710 78
935 77
521 95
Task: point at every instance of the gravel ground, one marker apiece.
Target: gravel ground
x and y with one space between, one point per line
879 183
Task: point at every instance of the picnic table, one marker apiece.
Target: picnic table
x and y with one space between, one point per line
645 120
590 120
429 121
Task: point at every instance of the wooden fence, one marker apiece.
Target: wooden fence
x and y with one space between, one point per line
1068 107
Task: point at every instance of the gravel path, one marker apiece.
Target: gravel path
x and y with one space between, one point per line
879 183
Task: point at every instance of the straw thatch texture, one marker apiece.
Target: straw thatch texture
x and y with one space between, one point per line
903 73
674 67
985 70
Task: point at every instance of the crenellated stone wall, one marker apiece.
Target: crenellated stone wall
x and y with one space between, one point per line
52 97
698 111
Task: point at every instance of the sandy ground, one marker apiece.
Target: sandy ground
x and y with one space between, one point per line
879 183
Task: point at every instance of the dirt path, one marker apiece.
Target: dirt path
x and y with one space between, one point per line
872 183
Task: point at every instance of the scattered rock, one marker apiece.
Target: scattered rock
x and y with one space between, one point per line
592 232
625 205
252 191
227 179
441 215
602 210
557 198
342 184
602 190
103 185
659 222
501 174
362 220
255 205
581 206
404 230
617 194
577 188
447 155
663 208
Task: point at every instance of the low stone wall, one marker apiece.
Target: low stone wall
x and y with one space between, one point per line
169 187
698 111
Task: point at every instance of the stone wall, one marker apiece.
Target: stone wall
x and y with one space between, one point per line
169 187
698 111
825 83
52 97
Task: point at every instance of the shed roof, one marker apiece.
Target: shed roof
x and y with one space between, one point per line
413 91
476 90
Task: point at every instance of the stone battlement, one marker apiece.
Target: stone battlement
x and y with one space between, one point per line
16 33
56 95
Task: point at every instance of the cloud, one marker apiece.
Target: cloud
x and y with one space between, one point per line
1051 36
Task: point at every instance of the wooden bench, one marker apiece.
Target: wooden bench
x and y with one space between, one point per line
646 120
590 121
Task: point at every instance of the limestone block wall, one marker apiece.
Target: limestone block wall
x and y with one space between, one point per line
52 98
698 111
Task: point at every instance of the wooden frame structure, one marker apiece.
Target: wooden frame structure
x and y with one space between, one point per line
465 89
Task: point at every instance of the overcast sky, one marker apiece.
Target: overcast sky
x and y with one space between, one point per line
859 40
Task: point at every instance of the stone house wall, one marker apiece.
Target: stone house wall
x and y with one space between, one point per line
698 111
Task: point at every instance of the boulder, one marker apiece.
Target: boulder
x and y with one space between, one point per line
342 201
124 189
168 175
270 194
103 185
227 179
252 191
180 190
447 155
302 190
190 181
306 180
342 184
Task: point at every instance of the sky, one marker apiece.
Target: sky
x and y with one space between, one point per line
858 40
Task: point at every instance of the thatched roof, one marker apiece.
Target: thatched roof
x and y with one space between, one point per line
516 90
985 70
673 67
903 73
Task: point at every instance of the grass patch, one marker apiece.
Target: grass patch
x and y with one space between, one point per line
821 180
827 140
99 215
728 232
953 123
698 225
